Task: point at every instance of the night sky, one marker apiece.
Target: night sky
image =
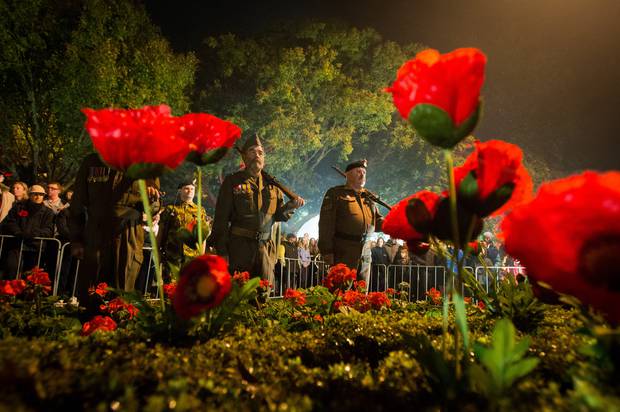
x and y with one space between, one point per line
553 76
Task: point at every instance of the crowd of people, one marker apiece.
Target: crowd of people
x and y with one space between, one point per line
26 213
104 222
297 262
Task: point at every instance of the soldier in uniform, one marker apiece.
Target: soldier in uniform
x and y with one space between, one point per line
177 249
105 225
247 207
348 217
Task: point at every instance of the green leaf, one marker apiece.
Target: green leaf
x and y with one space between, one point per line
461 318
520 369
503 360
249 287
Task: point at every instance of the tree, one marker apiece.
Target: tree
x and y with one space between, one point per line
315 96
58 57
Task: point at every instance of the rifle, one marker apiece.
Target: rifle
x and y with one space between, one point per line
272 180
367 192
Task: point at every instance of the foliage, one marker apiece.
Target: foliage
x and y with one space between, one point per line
516 301
315 95
56 318
503 362
249 367
58 57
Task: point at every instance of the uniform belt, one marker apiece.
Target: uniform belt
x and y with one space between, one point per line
252 234
354 238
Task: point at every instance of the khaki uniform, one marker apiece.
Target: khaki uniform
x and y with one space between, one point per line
106 217
347 218
246 210
173 218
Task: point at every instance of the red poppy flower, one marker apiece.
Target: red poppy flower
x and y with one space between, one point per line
493 179
203 284
241 277
22 213
296 296
356 300
98 323
39 277
170 289
12 287
378 300
205 132
143 137
434 295
339 277
101 289
264 284
576 221
450 82
411 218
474 248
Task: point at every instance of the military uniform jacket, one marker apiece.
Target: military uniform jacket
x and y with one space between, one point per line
248 203
104 202
346 215
173 218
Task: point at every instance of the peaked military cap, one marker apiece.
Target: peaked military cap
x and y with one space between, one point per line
186 182
253 140
360 163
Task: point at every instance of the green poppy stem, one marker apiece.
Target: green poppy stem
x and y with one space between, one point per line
453 284
199 203
155 249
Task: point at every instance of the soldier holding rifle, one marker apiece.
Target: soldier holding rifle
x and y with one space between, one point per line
348 216
249 203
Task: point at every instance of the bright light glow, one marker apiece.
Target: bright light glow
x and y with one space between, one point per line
311 227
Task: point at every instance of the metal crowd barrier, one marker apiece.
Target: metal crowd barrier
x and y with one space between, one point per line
499 272
291 273
18 255
144 282
413 280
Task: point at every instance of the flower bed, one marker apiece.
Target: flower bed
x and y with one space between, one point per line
369 361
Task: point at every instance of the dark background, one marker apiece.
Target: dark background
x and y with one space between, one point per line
553 74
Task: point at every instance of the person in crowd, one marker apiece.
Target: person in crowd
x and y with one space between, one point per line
6 197
106 225
291 268
27 220
348 217
53 201
178 222
20 191
57 206
280 268
392 248
402 271
313 247
68 195
380 262
303 254
247 207
490 249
